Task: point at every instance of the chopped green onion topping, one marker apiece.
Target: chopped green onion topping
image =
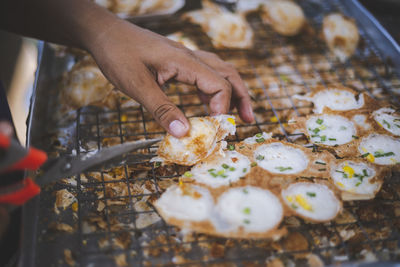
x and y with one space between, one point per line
294 206
231 147
260 157
385 122
225 166
320 121
282 169
355 136
232 169
211 170
332 139
213 174
321 170
284 78
316 130
260 140
188 174
357 184
221 172
320 162
323 138
246 210
365 172
241 147
259 135
244 170
158 164
365 155
253 164
245 191
378 154
311 194
246 221
343 128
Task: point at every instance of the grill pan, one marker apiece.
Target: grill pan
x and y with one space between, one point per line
274 70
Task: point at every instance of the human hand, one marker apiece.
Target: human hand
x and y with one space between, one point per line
138 62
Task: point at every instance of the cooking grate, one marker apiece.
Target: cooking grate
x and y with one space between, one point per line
114 205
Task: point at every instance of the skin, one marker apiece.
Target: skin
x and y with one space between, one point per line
135 60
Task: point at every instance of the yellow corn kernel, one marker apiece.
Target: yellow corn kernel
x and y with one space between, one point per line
349 171
289 198
124 118
303 202
340 184
364 149
180 183
337 93
274 119
231 120
74 206
371 158
380 124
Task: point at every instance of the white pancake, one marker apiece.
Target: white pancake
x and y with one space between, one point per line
312 201
380 149
330 130
341 35
221 170
249 208
224 28
280 158
285 17
201 141
388 119
355 177
335 99
184 202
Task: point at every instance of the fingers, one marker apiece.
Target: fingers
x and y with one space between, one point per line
240 96
189 69
145 90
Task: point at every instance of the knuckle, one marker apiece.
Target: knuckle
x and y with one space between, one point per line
162 112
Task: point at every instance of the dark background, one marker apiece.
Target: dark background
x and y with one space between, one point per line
388 14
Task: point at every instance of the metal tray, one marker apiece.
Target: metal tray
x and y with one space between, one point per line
373 225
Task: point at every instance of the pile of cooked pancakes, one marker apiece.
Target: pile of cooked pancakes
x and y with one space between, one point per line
244 190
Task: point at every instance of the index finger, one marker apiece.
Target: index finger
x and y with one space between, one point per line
241 98
189 69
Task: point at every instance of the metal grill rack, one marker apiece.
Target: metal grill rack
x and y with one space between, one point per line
275 70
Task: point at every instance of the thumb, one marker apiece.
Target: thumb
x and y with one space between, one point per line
170 117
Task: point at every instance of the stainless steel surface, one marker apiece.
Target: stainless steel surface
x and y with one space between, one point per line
160 244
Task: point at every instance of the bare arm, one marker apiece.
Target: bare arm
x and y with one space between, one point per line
135 60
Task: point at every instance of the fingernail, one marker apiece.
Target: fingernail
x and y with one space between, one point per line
177 128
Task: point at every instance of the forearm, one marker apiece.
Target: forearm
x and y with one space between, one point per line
71 22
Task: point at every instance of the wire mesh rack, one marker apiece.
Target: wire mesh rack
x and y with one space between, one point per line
114 221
